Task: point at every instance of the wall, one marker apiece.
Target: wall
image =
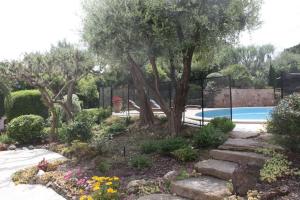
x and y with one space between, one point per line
245 98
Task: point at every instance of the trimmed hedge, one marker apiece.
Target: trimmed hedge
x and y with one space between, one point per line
26 129
25 102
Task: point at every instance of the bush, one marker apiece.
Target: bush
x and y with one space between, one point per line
5 139
223 123
26 128
166 146
140 162
25 102
77 130
94 115
209 136
104 166
150 146
79 150
285 122
115 125
185 154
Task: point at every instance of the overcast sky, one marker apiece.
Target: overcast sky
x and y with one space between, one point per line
33 25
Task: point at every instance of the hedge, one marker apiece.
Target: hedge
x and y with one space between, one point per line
25 102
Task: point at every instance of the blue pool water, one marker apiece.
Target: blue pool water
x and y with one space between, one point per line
240 113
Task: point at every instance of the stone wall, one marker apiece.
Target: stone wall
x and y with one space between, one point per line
245 98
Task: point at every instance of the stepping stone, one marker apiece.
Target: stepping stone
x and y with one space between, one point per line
243 134
202 188
217 168
239 157
160 197
245 145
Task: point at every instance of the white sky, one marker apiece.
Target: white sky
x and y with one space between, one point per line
33 25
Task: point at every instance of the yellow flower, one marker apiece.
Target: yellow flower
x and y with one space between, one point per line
116 178
95 188
111 191
108 183
86 197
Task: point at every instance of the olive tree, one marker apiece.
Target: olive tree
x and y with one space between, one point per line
140 32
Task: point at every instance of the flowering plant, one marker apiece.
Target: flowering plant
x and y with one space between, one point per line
43 165
103 188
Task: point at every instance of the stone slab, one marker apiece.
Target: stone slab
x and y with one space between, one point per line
202 188
216 168
160 197
239 157
243 134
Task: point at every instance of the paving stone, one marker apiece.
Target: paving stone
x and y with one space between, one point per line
160 197
245 145
202 188
239 157
217 168
243 134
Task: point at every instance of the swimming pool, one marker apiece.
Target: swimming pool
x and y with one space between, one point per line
243 114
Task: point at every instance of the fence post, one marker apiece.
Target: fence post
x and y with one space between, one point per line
230 97
111 99
202 100
281 85
128 96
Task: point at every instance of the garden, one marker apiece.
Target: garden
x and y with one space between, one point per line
55 101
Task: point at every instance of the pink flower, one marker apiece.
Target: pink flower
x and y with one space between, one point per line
68 175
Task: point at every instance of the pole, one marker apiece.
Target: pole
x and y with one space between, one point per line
128 96
202 101
111 98
230 97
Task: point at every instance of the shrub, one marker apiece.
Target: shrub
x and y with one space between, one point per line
94 115
140 162
150 146
25 102
115 125
26 128
223 123
285 122
185 154
104 166
77 130
5 139
209 136
79 150
166 146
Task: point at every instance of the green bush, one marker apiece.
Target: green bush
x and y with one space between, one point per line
94 115
150 146
209 136
25 102
223 123
140 162
285 122
5 139
26 128
166 146
80 150
77 130
104 166
185 154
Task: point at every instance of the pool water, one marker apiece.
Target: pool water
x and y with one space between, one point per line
240 113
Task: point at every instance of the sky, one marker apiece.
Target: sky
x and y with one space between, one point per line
33 25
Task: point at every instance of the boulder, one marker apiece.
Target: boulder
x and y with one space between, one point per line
12 147
133 186
170 176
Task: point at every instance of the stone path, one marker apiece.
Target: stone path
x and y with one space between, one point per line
12 161
219 169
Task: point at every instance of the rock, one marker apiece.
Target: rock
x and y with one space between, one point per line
273 193
40 173
217 168
49 184
3 147
30 147
239 157
243 134
204 187
170 176
12 147
160 197
24 148
244 178
133 186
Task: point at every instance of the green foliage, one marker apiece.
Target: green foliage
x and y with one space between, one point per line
285 122
115 125
276 167
140 162
4 91
24 176
166 146
183 174
25 102
77 130
88 92
185 154
150 146
103 166
26 128
93 115
240 75
223 123
5 139
209 136
79 150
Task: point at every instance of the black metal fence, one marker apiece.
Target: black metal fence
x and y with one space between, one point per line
288 83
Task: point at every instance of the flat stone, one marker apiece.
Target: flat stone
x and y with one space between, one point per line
239 157
217 168
202 188
160 197
246 145
243 134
